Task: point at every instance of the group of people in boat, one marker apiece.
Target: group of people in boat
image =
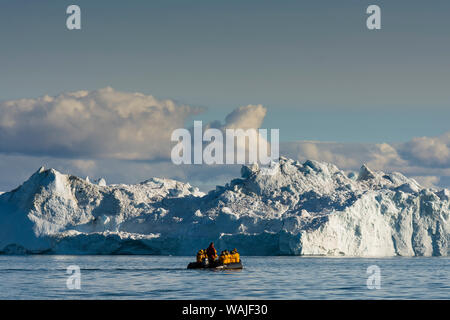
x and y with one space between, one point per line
209 256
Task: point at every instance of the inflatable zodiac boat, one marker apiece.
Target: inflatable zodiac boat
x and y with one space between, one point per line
215 265
227 260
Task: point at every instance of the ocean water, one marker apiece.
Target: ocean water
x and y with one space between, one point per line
166 277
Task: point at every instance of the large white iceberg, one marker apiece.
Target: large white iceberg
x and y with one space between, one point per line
302 209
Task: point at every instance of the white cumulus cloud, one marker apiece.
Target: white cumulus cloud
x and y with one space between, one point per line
428 151
103 123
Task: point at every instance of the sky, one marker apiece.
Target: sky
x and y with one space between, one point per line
337 91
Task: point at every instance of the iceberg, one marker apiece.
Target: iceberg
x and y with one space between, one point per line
310 208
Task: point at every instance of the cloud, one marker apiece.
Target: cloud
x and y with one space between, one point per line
125 137
427 181
384 156
245 121
84 165
428 151
249 118
426 159
122 136
246 117
103 123
344 155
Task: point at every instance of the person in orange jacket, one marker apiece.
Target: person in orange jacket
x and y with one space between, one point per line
201 255
235 255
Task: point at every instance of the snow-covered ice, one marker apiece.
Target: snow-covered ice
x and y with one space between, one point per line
310 208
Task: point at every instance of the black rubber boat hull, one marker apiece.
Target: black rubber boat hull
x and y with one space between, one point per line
230 266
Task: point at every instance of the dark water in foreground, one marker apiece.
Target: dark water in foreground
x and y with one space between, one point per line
162 277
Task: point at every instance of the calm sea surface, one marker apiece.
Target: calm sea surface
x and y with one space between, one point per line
163 277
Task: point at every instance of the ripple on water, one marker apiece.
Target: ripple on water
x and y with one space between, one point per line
162 277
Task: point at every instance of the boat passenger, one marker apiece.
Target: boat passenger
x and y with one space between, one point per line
235 255
211 252
201 255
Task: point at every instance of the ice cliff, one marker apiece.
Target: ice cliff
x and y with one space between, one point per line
302 209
